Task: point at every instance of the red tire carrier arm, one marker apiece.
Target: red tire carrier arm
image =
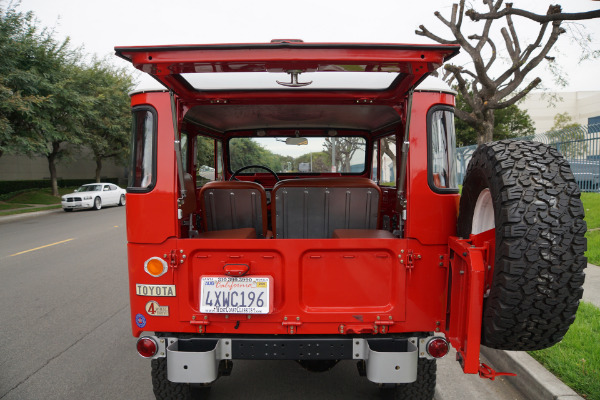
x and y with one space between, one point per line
471 272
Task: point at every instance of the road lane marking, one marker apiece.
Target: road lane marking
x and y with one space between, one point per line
41 247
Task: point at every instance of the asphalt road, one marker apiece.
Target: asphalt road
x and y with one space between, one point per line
65 330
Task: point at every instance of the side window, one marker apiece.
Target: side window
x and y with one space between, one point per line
374 161
142 171
442 149
388 161
184 150
205 160
219 155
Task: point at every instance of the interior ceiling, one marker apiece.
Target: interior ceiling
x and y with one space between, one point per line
222 118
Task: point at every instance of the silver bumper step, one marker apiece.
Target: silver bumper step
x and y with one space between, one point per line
387 361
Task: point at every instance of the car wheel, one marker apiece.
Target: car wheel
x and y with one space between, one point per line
167 390
97 203
527 194
122 200
421 389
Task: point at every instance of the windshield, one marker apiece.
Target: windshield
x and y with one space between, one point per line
90 188
345 154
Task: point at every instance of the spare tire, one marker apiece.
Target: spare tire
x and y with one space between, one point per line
526 192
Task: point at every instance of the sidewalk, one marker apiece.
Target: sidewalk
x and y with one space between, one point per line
41 210
591 287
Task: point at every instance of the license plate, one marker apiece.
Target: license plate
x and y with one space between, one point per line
229 295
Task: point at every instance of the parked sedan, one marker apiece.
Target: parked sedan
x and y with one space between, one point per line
94 195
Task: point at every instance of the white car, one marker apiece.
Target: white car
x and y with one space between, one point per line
94 195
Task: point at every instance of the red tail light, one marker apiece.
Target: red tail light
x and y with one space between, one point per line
147 347
438 347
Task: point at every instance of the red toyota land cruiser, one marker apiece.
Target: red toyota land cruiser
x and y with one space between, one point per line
299 201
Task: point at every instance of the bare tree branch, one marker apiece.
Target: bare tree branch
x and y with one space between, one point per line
492 45
513 33
481 93
465 116
426 33
503 104
554 14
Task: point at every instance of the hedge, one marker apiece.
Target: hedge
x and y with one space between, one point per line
15 186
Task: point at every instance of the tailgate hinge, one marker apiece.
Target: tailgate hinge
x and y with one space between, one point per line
176 258
382 323
292 323
201 322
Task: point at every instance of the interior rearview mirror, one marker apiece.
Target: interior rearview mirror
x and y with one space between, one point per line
296 141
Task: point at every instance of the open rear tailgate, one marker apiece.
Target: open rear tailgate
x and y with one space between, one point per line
196 72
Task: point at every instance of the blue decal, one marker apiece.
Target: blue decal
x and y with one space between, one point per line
140 320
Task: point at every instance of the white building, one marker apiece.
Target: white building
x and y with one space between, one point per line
583 107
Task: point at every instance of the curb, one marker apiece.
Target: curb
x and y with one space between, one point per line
533 380
16 217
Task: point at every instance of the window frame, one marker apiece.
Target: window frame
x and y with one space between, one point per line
430 180
133 156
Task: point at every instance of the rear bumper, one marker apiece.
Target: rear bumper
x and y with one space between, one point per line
388 360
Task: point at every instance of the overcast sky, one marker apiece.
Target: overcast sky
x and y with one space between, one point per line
101 25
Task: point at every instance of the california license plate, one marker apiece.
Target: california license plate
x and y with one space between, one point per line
239 295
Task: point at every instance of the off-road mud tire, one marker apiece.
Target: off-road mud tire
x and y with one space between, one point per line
421 389
167 390
540 244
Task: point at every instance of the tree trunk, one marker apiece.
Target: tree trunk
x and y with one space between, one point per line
98 168
52 167
486 134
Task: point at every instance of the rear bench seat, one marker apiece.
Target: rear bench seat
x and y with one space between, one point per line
316 207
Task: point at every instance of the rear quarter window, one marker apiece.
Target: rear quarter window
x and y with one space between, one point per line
442 175
142 172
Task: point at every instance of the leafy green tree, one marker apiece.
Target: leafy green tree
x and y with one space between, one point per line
321 161
107 113
18 39
568 136
51 103
205 151
245 151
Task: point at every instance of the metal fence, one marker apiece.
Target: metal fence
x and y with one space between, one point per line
580 146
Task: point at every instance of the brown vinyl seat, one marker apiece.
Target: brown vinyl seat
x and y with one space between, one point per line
232 205
315 207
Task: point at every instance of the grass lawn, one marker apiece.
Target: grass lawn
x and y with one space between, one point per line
576 360
20 202
37 196
591 203
8 206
